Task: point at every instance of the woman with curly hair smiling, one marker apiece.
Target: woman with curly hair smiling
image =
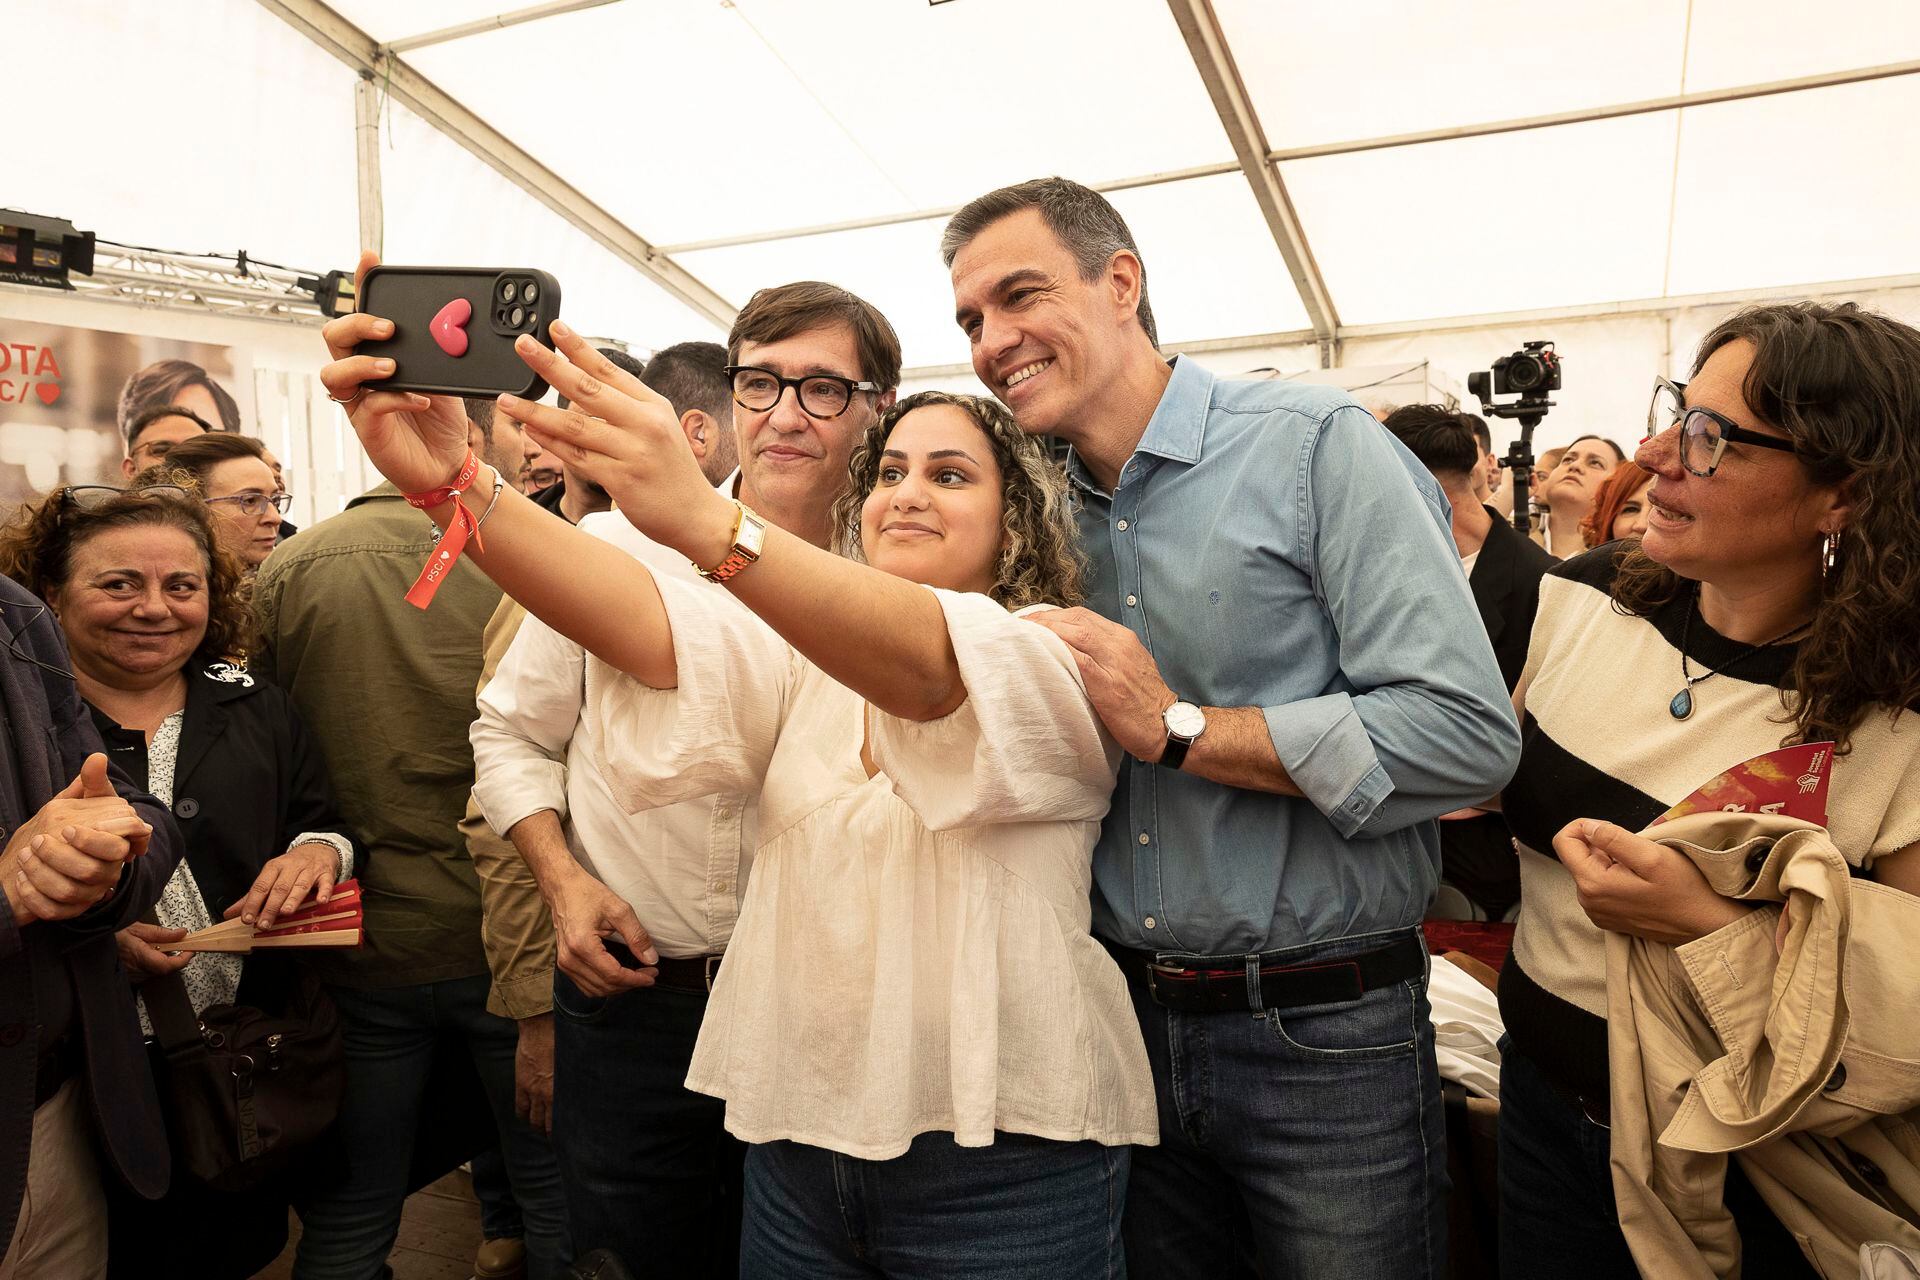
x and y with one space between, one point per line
1774 598
911 999
1038 562
157 620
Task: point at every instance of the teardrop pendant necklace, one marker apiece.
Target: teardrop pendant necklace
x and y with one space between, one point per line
1682 704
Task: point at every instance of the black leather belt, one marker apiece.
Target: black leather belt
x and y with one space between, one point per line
57 1064
1203 987
695 973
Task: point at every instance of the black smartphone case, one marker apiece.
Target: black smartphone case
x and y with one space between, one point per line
415 298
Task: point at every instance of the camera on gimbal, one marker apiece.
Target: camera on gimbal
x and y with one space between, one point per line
1528 373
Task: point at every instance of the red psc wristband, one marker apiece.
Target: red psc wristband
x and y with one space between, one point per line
454 540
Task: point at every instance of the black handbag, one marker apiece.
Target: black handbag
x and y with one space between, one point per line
246 1092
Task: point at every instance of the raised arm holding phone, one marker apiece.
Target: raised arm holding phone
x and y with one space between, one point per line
912 820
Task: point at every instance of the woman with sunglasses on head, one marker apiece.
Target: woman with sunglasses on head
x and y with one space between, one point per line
1774 598
233 476
155 617
912 1011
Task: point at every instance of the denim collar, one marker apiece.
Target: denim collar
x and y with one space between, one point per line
1177 431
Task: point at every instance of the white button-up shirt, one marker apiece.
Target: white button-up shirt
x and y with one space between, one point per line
683 867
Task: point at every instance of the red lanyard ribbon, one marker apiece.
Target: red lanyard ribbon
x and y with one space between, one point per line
454 540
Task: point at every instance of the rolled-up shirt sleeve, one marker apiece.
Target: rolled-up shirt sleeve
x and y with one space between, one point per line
1025 746
715 732
527 715
1426 725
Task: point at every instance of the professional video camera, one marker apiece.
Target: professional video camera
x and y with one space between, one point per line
1528 373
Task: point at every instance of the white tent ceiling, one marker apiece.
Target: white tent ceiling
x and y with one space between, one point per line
666 126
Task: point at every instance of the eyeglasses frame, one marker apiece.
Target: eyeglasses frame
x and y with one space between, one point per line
67 492
280 501
1730 431
852 386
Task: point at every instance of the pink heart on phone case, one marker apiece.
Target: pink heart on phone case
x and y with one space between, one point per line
449 328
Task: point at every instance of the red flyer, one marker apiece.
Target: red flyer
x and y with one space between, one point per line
1790 781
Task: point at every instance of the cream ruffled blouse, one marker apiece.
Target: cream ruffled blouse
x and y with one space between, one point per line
913 951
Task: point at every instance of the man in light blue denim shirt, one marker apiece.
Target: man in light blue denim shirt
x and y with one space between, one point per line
1279 635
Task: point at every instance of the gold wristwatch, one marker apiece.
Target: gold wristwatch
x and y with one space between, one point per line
749 536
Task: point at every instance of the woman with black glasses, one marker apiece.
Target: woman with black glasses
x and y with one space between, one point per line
232 474
1774 598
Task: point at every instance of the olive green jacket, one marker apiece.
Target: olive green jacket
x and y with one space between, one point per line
388 690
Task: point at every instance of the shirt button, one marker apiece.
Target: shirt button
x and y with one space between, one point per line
1132 601
1145 838
1122 526
1148 922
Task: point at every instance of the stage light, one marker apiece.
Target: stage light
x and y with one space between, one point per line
42 251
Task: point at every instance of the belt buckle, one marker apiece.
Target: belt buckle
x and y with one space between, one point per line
1157 970
708 966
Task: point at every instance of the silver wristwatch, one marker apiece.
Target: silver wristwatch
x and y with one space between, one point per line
1185 722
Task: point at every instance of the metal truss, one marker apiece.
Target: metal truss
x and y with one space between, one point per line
181 282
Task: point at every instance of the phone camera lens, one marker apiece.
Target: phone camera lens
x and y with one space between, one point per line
508 292
517 317
529 293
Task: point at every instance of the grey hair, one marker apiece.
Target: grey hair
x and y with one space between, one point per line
1086 223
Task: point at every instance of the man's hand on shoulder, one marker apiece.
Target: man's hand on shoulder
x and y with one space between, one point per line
1122 681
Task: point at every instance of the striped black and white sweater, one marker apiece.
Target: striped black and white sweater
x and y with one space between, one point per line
1598 741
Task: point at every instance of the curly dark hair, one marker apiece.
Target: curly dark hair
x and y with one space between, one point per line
37 545
1040 563
1844 384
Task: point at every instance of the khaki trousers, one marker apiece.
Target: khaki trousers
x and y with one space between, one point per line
62 1232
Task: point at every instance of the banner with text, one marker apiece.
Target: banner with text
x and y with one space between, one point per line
60 393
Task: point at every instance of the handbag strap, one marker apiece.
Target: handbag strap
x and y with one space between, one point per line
175 1025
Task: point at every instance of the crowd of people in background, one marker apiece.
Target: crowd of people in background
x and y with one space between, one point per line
818 832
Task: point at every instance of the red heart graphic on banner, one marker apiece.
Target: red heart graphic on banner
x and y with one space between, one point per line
449 328
47 391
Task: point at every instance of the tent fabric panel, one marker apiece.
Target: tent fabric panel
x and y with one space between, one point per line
1211 268
1831 197
1340 72
1549 217
1740 42
397 19
160 125
693 121
445 206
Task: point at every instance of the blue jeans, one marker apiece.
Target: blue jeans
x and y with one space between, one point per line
650 1171
392 1034
1021 1208
1558 1219
499 1211
1299 1144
